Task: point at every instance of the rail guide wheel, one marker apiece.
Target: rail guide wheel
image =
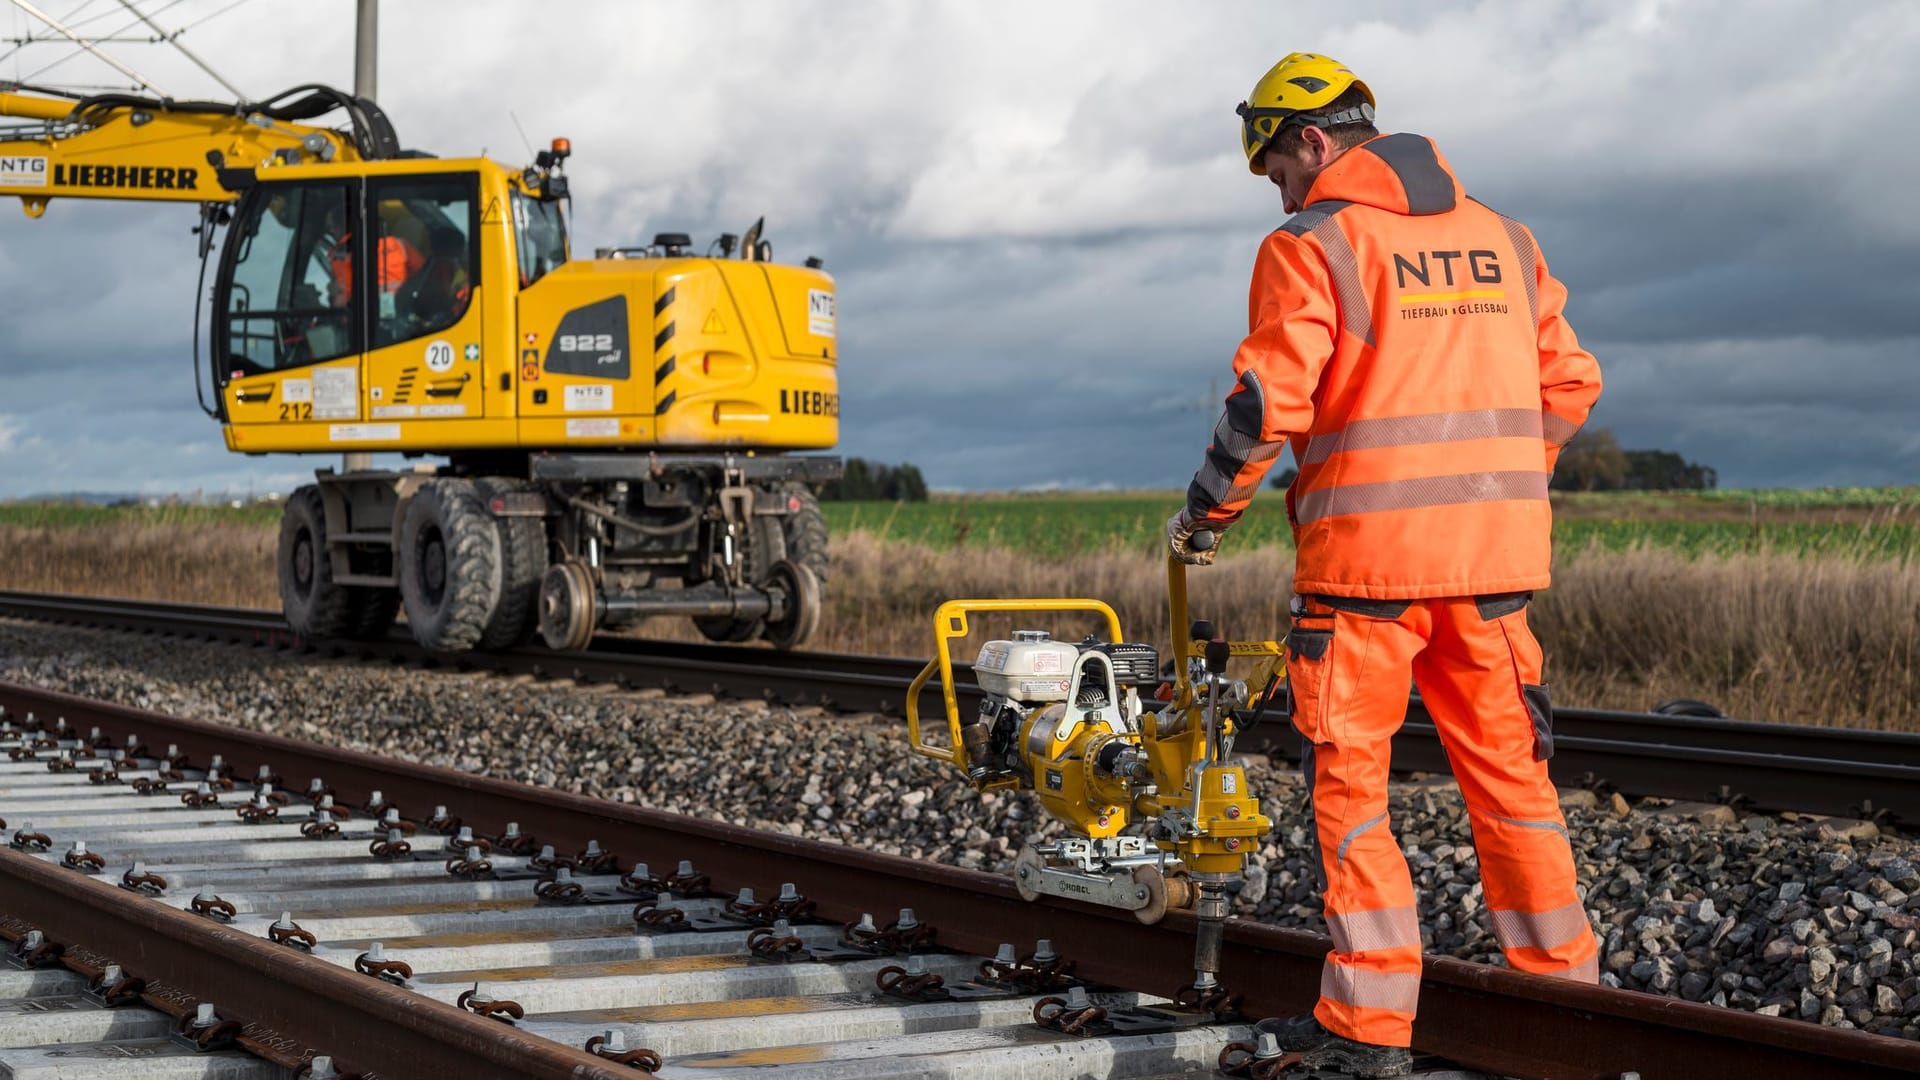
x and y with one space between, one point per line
567 615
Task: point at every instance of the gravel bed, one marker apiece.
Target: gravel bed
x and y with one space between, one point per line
1788 915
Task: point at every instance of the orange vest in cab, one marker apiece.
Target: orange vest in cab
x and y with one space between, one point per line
1411 346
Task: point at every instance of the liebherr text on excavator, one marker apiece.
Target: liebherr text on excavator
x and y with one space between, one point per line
620 432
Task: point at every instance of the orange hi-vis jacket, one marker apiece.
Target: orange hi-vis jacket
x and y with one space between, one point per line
1410 344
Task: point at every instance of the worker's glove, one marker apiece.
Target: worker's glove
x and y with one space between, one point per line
1181 532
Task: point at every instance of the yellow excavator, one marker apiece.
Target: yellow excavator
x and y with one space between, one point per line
1138 767
370 298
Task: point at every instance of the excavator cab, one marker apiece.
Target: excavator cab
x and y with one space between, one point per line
350 299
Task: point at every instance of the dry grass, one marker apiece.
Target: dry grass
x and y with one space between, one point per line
1829 640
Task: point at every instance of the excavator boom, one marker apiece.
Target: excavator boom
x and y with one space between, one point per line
120 146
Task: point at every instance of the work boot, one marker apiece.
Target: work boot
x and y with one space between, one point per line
1320 1049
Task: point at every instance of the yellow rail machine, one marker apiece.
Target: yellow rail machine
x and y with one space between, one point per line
1158 814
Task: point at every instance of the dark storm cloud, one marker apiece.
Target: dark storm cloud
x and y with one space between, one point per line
1041 238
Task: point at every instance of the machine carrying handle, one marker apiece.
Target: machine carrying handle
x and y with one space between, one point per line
950 622
1202 540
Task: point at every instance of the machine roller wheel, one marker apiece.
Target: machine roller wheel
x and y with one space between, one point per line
1154 884
1026 873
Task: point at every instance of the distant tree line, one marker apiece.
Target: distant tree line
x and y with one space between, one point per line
871 481
1594 461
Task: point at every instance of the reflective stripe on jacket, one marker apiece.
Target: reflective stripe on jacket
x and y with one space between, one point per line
1411 345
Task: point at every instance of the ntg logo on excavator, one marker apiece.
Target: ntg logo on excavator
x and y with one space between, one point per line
23 171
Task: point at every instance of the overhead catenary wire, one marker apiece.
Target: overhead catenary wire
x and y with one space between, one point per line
30 8
158 35
174 40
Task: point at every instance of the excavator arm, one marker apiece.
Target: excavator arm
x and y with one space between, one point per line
123 146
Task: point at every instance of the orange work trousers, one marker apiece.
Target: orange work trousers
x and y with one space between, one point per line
1478 669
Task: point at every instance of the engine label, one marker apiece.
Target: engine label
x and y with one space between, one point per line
23 172
593 429
1055 781
1045 662
993 656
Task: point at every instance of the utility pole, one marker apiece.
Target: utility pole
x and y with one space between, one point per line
366 41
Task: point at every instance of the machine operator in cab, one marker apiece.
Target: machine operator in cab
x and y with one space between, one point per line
1410 345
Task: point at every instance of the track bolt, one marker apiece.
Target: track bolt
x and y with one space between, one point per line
865 925
1077 999
116 756
512 833
593 850
32 941
261 776
615 1041
321 1068
377 952
906 920
1267 1048
110 974
204 1016
218 763
745 898
390 819
284 922
1043 952
562 876
173 751
916 965
315 787
686 868
464 838
1006 957
640 872
788 894
325 806
481 995
473 853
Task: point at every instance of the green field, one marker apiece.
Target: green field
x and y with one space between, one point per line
1868 522
1864 522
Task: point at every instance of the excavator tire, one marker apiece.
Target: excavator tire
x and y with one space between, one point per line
450 565
806 532
523 561
315 607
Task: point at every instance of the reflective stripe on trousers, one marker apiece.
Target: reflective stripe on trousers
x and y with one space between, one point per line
1365 988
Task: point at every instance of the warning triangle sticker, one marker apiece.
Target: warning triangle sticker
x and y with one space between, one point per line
714 324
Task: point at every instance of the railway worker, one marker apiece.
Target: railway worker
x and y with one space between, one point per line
1411 346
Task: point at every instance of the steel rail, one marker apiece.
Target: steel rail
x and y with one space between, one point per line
1484 1017
1765 766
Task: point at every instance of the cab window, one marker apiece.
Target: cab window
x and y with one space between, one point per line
539 236
284 304
422 255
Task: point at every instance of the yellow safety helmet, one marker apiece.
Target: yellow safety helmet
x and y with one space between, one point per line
1289 93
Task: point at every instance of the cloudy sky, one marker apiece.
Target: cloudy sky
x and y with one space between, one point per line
1040 220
